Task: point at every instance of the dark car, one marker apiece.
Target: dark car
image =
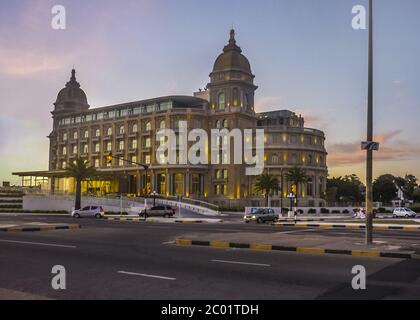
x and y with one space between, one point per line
261 216
158 211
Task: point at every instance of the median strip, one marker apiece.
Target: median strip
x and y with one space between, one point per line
347 226
40 228
303 250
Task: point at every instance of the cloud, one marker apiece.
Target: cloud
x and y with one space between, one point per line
267 103
392 148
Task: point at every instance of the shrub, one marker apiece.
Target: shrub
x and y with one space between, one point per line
382 210
312 211
300 211
325 210
346 211
336 211
285 210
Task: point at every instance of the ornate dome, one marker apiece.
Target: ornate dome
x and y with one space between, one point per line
72 92
232 58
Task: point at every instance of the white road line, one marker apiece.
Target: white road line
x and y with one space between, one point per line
245 263
39 244
145 275
168 242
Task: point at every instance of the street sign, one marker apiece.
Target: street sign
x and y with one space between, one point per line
370 145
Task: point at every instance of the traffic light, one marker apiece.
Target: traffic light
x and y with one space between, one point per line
109 158
294 189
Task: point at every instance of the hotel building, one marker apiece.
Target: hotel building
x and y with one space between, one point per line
128 130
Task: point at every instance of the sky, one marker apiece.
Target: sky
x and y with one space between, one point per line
305 55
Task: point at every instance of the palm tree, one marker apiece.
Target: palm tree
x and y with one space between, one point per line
266 183
80 170
297 175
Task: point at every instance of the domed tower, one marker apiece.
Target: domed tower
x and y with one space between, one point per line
231 91
71 98
232 82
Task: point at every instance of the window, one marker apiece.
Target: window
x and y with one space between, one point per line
97 163
64 165
75 135
121 162
275 159
148 126
109 146
222 101
74 149
122 130
147 159
86 134
235 97
162 124
135 128
134 144
109 131
246 102
133 159
218 124
225 123
121 145
147 142
225 174
64 151
97 133
97 147
85 148
64 136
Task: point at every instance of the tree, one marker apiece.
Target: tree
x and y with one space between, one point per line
266 183
384 188
348 188
410 185
416 194
296 176
80 171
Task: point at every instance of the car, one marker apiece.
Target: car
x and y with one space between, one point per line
261 216
404 213
158 211
89 211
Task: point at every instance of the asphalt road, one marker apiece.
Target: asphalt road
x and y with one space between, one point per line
125 260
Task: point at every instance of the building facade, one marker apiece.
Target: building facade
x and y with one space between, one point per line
129 131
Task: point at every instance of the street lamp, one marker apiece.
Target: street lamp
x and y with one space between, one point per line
154 194
291 196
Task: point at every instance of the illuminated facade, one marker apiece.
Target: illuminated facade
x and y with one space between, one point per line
129 131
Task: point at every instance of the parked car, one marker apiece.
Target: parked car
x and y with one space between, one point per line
89 211
158 211
404 213
261 216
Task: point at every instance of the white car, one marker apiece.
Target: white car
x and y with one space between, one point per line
404 213
89 211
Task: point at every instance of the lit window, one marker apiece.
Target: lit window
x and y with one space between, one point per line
222 101
134 144
98 133
218 126
121 145
96 163
85 148
109 146
63 165
109 132
97 147
148 126
147 142
147 159
225 174
74 149
121 130
133 159
225 123
86 134
64 136
75 135
162 124
121 162
64 151
135 128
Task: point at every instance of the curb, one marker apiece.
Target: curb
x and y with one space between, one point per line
304 250
152 220
43 228
346 226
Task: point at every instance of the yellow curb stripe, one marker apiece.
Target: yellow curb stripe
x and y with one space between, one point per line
310 250
325 226
361 253
219 244
255 246
380 228
183 242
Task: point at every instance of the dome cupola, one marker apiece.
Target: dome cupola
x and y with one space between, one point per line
71 97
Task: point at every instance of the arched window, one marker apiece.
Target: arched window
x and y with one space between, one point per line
225 123
222 101
134 128
162 124
109 132
246 101
122 130
148 126
218 126
275 159
235 97
75 135
97 132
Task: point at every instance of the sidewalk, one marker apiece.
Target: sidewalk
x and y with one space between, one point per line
338 225
309 244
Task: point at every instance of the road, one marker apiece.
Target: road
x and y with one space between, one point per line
125 260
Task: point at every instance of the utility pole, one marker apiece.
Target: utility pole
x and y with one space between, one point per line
369 152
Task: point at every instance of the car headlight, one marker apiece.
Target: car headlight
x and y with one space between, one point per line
253 217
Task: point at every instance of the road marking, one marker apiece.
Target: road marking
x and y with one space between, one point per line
245 263
168 242
39 244
145 275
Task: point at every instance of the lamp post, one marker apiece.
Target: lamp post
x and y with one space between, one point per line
369 152
154 194
291 196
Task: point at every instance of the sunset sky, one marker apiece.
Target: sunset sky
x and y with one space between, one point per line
304 53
